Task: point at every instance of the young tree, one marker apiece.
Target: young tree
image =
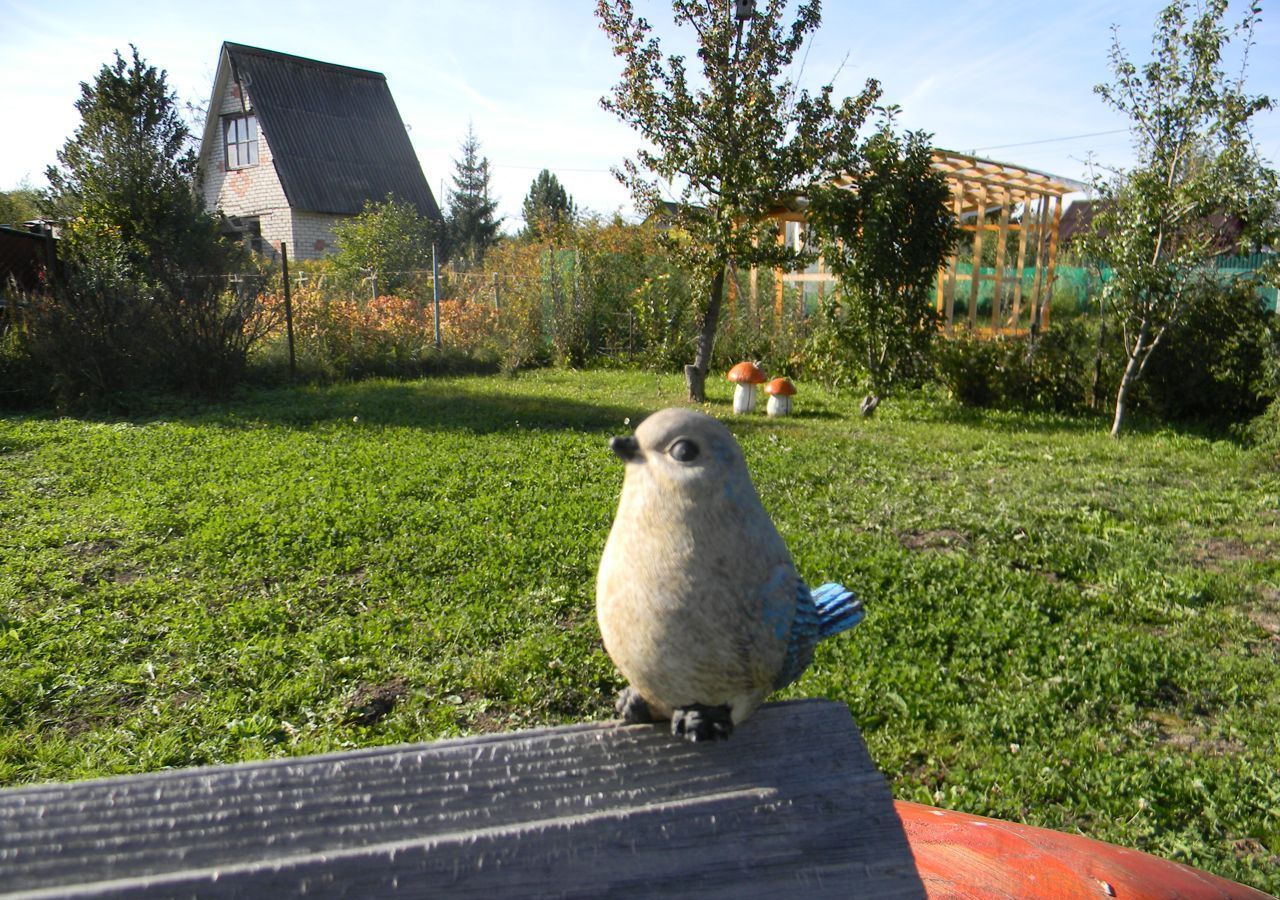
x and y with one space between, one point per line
388 240
547 205
146 297
471 224
884 238
1196 166
734 145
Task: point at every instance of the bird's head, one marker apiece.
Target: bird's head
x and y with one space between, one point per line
683 450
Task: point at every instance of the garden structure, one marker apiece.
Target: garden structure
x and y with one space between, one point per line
292 146
991 200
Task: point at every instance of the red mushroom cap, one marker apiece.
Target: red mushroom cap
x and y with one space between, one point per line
747 373
781 387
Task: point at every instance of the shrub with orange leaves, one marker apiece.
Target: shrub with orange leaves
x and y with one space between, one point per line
469 327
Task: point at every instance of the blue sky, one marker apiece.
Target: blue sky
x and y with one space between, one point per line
1010 80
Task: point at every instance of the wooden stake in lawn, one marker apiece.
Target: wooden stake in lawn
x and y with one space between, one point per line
731 150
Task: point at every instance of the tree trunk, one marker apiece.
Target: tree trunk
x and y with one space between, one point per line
1132 369
695 380
695 376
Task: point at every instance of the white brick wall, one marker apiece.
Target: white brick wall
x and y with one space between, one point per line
256 191
313 234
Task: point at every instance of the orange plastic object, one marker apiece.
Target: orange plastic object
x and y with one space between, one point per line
963 856
747 373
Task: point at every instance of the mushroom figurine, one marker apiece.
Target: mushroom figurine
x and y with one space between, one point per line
746 375
780 391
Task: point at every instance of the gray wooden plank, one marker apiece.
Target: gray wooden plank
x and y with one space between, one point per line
791 802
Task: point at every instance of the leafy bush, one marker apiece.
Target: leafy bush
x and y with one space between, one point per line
1213 368
387 239
145 302
659 333
1264 433
884 240
337 337
969 368
1052 371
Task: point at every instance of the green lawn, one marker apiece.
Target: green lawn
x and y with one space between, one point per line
1064 630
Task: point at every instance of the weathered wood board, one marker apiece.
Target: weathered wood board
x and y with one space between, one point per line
792 803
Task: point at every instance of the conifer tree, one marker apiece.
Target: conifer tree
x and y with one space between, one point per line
472 226
145 300
546 205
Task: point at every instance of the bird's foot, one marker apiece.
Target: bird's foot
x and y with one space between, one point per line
702 723
632 708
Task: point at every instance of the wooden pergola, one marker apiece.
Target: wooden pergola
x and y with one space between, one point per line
984 196
988 198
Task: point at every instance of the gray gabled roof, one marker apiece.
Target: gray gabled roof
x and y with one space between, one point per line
335 134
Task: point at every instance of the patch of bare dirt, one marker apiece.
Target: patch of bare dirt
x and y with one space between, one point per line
934 540
369 704
1174 731
1266 613
1215 553
478 715
1250 848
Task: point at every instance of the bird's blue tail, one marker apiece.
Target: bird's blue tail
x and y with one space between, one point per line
838 609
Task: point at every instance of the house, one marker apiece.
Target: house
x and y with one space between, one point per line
292 146
1224 231
28 255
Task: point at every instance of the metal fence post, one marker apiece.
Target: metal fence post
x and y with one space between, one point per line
288 308
435 291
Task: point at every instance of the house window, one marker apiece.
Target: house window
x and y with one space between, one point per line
242 141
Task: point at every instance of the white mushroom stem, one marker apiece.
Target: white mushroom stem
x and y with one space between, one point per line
779 405
744 398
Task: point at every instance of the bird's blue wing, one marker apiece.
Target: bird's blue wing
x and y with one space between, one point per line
838 609
829 610
803 638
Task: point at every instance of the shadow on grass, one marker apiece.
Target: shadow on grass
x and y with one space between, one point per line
1084 422
481 406
472 404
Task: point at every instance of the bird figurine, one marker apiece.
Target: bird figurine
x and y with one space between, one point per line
698 600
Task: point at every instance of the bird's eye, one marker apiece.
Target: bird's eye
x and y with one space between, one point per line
684 450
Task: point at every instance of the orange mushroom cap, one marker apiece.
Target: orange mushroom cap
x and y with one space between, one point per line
782 387
747 373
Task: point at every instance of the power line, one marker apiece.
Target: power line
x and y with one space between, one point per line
540 168
1074 137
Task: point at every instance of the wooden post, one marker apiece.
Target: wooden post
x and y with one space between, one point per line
1037 301
1053 259
288 308
997 294
732 272
777 278
497 299
1024 228
975 278
949 314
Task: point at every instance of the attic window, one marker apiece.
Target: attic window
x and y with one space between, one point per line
242 141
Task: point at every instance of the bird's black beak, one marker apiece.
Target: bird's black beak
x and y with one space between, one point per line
625 448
